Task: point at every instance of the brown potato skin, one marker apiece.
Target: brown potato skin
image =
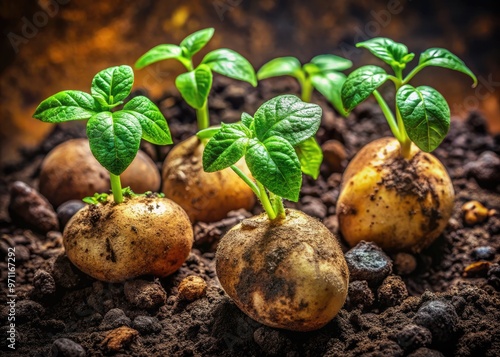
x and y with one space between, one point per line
206 197
288 274
401 205
71 172
116 242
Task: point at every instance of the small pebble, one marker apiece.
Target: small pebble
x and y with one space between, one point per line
404 263
412 336
114 318
146 324
426 352
145 294
474 212
360 294
192 288
486 169
334 155
494 276
68 210
477 269
119 338
483 253
31 207
392 291
44 284
366 261
64 347
440 318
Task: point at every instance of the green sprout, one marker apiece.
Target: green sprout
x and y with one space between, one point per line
114 135
422 113
195 84
268 141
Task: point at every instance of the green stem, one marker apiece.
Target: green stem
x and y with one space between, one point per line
277 202
413 73
202 116
247 180
307 89
404 141
116 187
388 115
264 199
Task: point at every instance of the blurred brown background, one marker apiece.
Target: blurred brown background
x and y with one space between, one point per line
52 45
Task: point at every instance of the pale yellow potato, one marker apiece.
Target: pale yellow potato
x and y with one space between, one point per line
288 274
401 205
206 197
71 172
140 236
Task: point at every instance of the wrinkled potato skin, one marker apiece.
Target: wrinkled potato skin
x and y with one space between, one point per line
116 242
71 172
288 274
206 197
407 218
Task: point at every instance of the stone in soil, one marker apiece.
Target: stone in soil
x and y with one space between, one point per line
119 338
145 294
483 253
404 263
64 347
366 261
146 324
414 336
360 295
68 210
440 318
192 288
114 318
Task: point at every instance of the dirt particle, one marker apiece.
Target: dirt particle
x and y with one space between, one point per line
119 338
192 288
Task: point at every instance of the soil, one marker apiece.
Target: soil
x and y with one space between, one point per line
444 301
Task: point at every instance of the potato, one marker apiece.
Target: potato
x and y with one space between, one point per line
206 197
401 205
288 274
116 242
70 171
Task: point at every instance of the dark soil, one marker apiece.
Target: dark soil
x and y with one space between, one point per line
432 304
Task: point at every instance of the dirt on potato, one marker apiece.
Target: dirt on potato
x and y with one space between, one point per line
55 302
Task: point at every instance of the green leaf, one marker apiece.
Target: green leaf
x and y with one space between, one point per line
425 114
65 106
114 139
207 133
281 66
275 164
393 53
288 117
112 84
154 126
197 40
443 58
159 53
247 120
331 63
310 156
195 85
231 64
330 86
226 147
360 84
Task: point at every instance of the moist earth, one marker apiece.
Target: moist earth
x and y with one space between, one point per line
443 301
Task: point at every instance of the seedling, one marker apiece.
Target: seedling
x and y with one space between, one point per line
143 234
393 192
282 268
114 135
422 113
195 84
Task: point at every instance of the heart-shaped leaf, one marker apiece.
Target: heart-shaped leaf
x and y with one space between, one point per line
331 63
275 164
310 156
195 86
154 126
65 106
330 84
114 139
425 114
226 147
231 64
112 84
360 84
159 53
197 40
393 53
288 117
281 66
443 58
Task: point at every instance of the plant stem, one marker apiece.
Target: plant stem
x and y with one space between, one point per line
247 180
307 89
388 116
116 187
277 202
202 117
264 199
404 141
413 73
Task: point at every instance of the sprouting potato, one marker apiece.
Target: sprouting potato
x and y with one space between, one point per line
205 197
287 273
141 236
401 205
70 171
